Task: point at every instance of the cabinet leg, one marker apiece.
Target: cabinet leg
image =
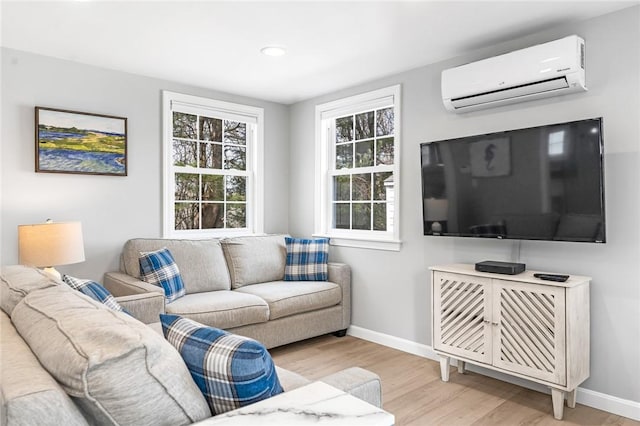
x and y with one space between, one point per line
557 398
571 399
444 368
461 367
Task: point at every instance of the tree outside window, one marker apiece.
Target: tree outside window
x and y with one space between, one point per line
357 170
212 167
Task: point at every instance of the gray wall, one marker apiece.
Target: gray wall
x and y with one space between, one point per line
111 209
391 289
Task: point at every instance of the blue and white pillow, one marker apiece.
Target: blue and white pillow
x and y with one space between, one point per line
94 291
307 259
231 371
159 268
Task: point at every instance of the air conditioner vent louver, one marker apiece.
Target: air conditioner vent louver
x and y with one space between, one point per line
512 92
544 70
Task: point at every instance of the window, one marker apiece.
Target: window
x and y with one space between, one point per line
556 143
357 165
213 166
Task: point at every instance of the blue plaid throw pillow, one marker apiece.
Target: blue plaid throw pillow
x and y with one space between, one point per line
159 268
94 291
306 259
231 371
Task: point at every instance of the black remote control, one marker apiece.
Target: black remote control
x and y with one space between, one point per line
552 277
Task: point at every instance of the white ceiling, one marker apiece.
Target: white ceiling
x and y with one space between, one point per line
331 45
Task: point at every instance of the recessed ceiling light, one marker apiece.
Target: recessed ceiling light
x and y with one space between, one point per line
273 50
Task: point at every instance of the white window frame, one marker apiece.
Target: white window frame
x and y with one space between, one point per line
324 156
254 161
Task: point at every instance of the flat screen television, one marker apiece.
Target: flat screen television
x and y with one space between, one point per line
538 183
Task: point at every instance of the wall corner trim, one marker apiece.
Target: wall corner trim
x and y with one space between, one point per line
590 398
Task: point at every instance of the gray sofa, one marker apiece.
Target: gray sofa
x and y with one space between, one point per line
237 284
69 360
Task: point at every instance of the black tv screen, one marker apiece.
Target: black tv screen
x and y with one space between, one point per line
539 183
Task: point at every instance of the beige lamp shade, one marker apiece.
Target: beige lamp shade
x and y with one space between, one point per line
50 244
436 210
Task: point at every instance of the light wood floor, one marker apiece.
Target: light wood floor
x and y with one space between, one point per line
414 393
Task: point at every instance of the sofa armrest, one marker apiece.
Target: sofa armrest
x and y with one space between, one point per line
358 382
29 395
121 284
340 273
145 307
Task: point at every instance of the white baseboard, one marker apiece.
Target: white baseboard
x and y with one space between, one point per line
601 401
609 403
403 345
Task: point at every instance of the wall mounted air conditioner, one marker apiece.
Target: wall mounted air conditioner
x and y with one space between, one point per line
548 69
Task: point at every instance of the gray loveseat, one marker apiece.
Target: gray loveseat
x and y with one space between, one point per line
237 284
69 360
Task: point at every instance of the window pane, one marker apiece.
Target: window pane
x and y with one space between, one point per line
362 216
364 125
235 132
187 185
210 164
236 215
235 157
342 216
364 154
212 188
212 215
361 187
210 155
344 156
382 185
185 153
384 122
184 125
210 129
384 151
344 129
341 188
379 216
556 143
187 216
236 188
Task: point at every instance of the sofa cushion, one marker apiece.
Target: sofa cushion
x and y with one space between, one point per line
201 262
290 380
254 260
17 281
116 369
307 259
222 309
294 297
93 290
30 395
358 382
159 268
231 371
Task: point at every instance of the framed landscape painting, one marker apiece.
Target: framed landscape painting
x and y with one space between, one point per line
79 142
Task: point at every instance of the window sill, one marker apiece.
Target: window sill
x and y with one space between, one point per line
363 242
204 234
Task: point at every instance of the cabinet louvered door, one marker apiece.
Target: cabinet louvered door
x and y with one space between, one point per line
461 321
530 332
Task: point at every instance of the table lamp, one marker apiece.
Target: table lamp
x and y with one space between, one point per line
50 244
436 211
